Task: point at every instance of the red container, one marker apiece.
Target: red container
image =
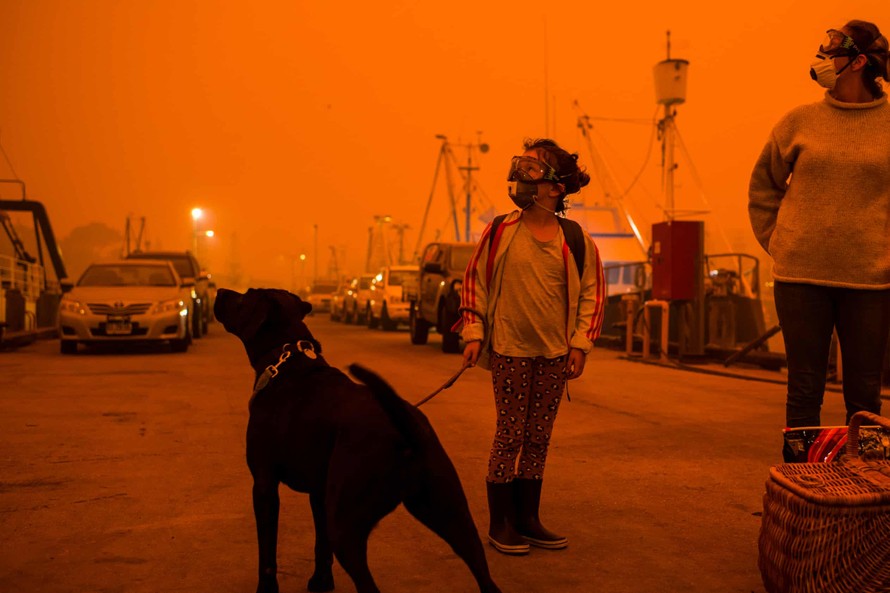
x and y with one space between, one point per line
677 254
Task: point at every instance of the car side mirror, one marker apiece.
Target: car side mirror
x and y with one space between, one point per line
433 267
66 285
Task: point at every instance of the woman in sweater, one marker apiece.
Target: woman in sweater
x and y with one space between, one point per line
532 304
819 203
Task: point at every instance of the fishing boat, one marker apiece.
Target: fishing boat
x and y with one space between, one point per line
712 301
30 275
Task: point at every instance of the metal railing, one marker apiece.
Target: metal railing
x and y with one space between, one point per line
734 273
19 275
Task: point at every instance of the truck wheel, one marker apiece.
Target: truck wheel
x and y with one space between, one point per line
180 345
386 323
450 339
450 342
196 325
418 328
356 316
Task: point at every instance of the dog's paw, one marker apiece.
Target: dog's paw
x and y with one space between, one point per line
321 582
266 586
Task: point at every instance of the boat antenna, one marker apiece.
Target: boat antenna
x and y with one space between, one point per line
8 162
670 90
546 84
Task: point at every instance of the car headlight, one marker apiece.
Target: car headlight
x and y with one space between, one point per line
167 306
70 306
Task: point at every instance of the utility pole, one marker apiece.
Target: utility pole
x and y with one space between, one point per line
400 229
483 148
315 256
127 238
333 264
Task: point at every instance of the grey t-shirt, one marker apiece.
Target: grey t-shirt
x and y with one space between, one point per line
530 315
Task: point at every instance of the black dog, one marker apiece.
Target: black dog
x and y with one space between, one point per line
357 450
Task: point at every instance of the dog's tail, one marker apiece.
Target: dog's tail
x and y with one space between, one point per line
408 420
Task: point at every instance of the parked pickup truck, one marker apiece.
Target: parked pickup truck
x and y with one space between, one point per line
189 270
436 303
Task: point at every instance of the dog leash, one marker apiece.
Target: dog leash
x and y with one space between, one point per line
444 386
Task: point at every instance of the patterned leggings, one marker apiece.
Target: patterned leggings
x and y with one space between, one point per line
527 392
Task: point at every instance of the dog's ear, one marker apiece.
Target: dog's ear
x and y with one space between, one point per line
294 307
255 308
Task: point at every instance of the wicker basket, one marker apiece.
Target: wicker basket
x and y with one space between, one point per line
826 526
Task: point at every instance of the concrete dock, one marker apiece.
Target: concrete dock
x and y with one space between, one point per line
126 473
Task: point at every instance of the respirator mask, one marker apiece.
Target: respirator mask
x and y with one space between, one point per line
836 45
526 174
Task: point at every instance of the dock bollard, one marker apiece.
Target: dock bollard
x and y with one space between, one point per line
647 330
631 303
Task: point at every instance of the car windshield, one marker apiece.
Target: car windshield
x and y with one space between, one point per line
183 267
365 281
460 256
127 275
182 263
401 277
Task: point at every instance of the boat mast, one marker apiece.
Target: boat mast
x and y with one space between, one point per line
670 90
612 196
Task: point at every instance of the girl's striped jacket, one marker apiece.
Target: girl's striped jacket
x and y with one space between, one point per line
482 280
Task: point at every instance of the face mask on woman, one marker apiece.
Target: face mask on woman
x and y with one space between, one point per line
837 44
823 72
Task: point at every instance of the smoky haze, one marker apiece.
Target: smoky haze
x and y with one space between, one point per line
292 125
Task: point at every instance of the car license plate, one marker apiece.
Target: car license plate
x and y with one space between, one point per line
118 327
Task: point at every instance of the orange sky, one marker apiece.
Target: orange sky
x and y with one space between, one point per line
276 116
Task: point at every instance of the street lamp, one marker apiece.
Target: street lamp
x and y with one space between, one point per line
205 237
303 269
197 213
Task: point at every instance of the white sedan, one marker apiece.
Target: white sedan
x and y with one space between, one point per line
127 301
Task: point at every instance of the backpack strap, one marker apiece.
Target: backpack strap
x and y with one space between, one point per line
574 235
572 231
494 229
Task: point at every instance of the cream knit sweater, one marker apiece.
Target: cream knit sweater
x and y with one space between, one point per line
819 197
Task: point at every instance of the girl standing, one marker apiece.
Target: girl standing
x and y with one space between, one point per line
530 314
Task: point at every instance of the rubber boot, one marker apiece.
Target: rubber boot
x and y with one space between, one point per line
501 533
528 500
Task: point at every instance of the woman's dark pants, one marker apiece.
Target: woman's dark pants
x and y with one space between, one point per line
807 315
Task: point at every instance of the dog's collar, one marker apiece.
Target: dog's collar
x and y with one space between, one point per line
305 347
